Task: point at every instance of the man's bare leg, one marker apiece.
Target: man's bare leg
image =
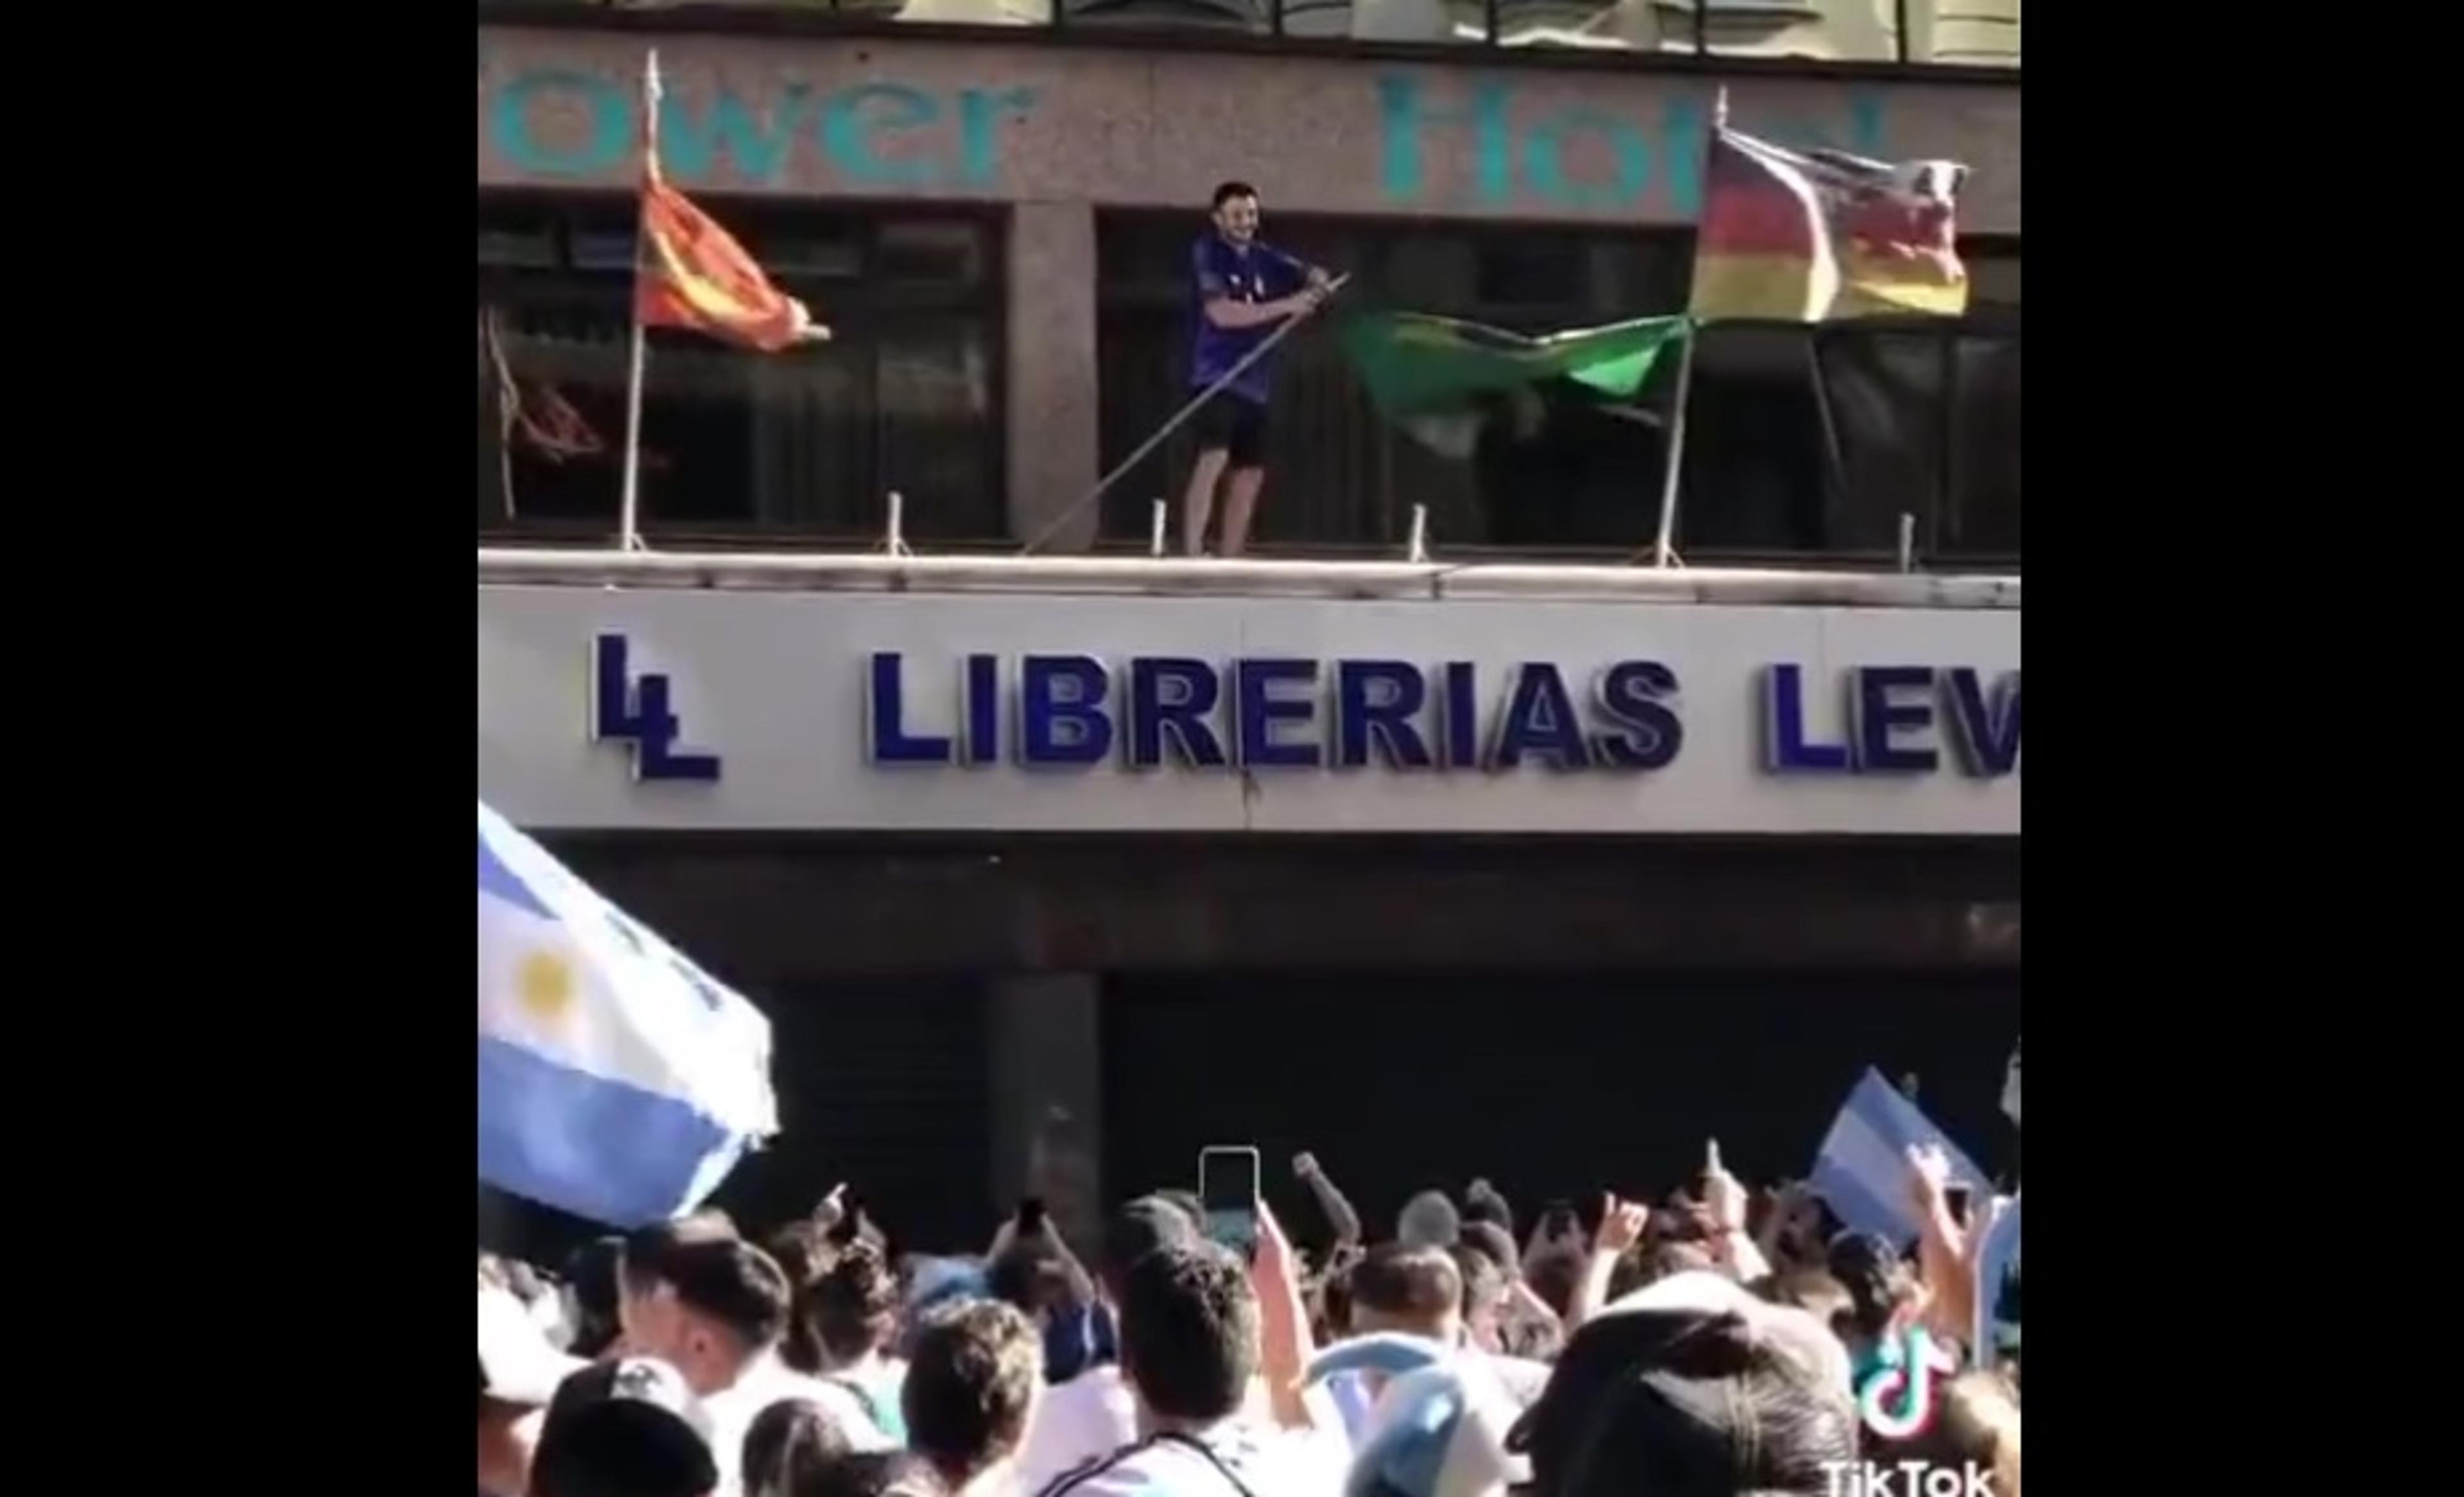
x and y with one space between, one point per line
1197 505
1241 507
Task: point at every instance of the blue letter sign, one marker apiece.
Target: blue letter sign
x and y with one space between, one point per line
625 708
1274 712
1293 714
1894 715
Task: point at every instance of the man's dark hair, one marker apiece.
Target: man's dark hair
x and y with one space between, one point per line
853 1306
1422 1284
970 1385
1877 1281
643 1260
1189 1332
1138 1229
1187 1203
802 1249
731 1281
787 1448
1335 1301
1225 192
1036 1279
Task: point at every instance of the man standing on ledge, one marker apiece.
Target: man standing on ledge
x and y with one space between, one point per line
1244 287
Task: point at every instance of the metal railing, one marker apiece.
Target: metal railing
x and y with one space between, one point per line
898 570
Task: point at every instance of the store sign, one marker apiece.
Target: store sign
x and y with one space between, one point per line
635 708
1285 713
1576 157
562 124
1017 713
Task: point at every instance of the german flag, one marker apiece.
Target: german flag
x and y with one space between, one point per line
693 275
1824 235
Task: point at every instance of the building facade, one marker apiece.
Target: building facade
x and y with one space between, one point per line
1049 882
996 225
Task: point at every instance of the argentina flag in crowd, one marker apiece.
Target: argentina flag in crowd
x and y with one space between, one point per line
617 1080
1862 1171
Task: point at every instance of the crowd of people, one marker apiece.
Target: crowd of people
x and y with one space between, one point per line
1721 1341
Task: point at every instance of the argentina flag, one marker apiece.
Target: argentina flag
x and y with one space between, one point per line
1861 1173
617 1080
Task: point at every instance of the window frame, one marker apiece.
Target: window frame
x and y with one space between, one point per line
861 305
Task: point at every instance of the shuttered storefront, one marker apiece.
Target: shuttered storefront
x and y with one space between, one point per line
1552 1086
882 1085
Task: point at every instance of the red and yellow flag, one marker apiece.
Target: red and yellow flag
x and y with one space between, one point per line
1821 236
693 275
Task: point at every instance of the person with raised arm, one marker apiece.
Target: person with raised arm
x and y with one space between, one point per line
1241 290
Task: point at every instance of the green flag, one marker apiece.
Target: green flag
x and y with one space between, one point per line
1430 374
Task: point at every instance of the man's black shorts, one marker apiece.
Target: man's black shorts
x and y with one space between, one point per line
1228 422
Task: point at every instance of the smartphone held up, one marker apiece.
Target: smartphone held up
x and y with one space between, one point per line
1227 1190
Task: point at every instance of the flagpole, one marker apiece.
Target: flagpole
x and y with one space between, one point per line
1663 546
628 537
1102 485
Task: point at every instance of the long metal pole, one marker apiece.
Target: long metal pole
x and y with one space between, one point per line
1062 521
1663 547
629 522
629 535
1663 550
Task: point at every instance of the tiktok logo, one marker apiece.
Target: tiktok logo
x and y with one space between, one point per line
1897 1398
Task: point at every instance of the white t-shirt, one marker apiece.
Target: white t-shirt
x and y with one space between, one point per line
1087 1417
1524 1378
767 1382
1237 1458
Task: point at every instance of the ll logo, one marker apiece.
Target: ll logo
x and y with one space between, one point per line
625 708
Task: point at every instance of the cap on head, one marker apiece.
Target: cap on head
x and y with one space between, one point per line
629 1428
1669 1397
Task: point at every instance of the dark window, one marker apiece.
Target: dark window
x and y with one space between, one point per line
906 396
